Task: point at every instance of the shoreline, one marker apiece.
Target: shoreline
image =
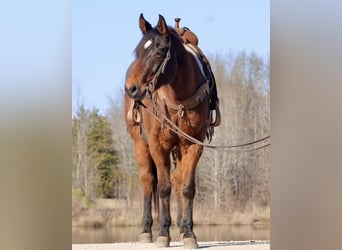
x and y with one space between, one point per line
113 212
214 245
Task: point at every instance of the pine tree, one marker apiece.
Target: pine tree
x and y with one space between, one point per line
94 158
104 157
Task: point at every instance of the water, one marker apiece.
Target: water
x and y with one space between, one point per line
82 235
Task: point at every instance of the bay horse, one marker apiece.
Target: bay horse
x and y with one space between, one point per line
165 84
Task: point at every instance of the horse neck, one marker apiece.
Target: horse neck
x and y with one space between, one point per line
186 80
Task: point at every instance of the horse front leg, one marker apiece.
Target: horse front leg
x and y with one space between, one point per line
147 182
177 187
190 159
163 164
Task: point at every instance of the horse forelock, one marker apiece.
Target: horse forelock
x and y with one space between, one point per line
151 34
148 36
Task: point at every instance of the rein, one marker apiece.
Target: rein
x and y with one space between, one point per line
174 128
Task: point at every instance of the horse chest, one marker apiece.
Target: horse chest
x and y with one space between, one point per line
189 126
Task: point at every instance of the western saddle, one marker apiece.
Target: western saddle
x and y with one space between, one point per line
190 39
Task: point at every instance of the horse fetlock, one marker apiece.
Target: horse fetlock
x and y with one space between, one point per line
147 220
165 225
147 223
188 234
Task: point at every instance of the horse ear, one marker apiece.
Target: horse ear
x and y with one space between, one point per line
143 24
161 26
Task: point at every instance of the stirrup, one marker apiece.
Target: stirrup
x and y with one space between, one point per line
215 121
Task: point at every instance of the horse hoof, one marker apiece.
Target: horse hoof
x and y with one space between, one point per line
163 241
145 238
190 243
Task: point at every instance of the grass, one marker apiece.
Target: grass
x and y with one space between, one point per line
252 216
104 212
111 212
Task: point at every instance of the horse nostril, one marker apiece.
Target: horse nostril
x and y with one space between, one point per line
133 91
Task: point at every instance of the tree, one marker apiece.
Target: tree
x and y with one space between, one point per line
235 179
103 156
94 157
128 183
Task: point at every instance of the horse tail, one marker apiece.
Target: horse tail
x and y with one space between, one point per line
155 194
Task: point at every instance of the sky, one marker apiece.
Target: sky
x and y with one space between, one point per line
105 33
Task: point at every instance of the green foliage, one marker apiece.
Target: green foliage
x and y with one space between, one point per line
87 202
78 193
94 157
101 146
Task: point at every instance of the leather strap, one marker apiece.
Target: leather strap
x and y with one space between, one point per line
190 103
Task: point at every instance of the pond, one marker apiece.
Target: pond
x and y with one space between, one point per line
82 235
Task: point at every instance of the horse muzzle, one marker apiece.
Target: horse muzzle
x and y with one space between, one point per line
135 92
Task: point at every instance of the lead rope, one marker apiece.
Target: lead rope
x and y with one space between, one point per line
174 128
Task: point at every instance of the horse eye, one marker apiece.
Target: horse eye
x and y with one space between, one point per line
159 53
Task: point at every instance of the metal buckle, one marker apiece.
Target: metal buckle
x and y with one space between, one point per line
180 110
150 87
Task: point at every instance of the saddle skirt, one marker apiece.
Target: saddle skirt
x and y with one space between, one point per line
205 68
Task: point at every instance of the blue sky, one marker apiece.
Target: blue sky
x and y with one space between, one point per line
105 33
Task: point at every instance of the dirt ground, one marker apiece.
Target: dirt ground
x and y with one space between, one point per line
217 245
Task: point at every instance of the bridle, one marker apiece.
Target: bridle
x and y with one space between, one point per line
152 84
198 96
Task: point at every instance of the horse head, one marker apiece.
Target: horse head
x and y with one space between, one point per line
155 63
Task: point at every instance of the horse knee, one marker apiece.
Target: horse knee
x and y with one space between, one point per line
188 191
164 190
146 178
146 181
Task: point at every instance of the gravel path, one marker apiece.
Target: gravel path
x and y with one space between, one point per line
215 245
